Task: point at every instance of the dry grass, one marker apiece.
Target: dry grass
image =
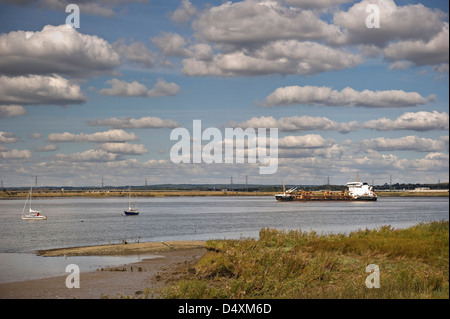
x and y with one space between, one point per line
413 263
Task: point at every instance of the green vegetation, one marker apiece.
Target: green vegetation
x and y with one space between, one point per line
413 194
413 263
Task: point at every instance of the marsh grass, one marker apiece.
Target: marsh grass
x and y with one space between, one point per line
413 263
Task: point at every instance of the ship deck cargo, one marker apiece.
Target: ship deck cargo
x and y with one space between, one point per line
356 191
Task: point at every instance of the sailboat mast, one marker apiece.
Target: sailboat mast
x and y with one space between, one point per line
25 205
129 197
31 195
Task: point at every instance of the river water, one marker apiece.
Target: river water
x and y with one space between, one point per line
90 221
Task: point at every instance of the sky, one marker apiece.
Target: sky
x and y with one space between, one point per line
98 101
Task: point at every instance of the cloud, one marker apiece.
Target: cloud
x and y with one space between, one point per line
11 111
123 148
310 146
249 22
297 124
122 88
401 65
46 148
420 52
89 7
35 135
97 155
98 137
396 23
202 52
127 122
15 154
317 156
56 49
278 57
407 143
184 13
443 68
260 38
416 121
313 4
171 44
103 8
309 141
135 53
432 162
325 96
6 137
39 89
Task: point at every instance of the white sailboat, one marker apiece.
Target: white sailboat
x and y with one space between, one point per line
131 211
32 214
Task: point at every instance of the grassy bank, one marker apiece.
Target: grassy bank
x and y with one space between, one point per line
102 194
413 263
413 194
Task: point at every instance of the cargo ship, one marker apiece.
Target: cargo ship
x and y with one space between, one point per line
356 191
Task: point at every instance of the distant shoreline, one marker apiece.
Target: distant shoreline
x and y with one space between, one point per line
187 193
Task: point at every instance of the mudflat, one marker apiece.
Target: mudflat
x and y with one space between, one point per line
137 280
121 249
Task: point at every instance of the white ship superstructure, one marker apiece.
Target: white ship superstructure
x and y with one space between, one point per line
361 191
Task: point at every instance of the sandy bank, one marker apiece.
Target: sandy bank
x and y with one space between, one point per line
122 249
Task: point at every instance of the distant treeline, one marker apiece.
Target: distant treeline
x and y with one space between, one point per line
229 187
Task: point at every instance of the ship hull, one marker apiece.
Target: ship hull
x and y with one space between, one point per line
32 217
131 213
366 198
323 199
284 198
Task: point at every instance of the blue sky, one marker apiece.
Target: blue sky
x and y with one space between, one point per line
100 101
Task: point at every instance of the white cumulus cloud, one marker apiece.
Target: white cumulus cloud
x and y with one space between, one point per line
143 122
407 143
304 141
278 57
123 148
397 23
39 89
297 124
250 22
15 154
415 121
7 137
55 49
123 88
96 155
98 137
325 96
11 111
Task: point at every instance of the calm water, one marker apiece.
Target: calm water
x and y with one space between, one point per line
188 218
